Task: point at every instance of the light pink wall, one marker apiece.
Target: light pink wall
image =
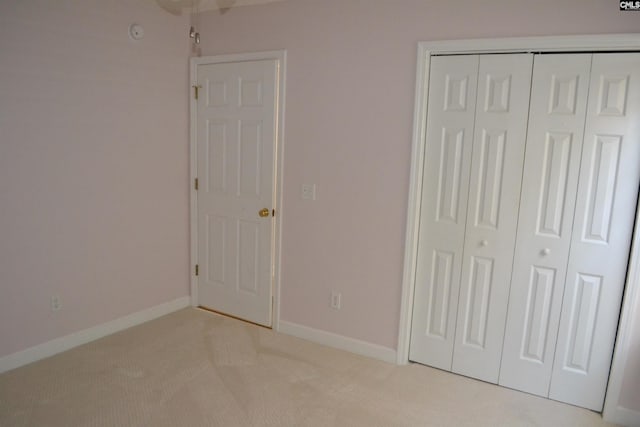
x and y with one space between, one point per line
93 164
349 112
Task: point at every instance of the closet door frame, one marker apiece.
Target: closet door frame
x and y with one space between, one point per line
589 43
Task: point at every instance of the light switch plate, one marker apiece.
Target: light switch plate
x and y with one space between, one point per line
309 191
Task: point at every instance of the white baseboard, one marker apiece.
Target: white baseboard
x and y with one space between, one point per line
341 342
58 345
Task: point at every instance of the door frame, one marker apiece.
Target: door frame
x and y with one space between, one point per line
280 56
590 43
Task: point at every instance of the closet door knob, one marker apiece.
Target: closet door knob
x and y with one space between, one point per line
545 251
484 243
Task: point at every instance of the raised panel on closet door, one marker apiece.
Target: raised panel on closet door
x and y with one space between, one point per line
504 83
554 140
451 105
602 230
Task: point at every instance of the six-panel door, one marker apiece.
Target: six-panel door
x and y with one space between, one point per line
554 143
236 137
443 215
602 231
504 83
469 212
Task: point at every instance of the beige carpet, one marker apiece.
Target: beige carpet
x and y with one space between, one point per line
194 368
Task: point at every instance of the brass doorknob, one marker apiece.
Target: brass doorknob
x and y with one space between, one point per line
264 212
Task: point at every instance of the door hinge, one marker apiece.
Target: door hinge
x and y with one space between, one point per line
197 269
196 90
195 183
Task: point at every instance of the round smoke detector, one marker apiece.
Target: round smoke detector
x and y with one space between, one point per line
136 32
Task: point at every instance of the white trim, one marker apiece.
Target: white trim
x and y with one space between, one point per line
281 57
278 55
613 411
415 197
279 186
618 42
591 43
58 345
193 194
340 342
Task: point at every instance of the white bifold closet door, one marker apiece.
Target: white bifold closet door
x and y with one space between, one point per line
602 232
451 105
531 178
554 143
580 190
475 151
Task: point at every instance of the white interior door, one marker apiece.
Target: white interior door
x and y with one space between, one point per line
550 181
602 231
504 84
236 145
452 100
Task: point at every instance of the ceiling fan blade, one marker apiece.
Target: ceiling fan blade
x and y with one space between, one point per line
175 7
225 5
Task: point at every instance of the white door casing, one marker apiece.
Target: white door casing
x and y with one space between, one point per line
554 144
236 125
602 231
504 84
